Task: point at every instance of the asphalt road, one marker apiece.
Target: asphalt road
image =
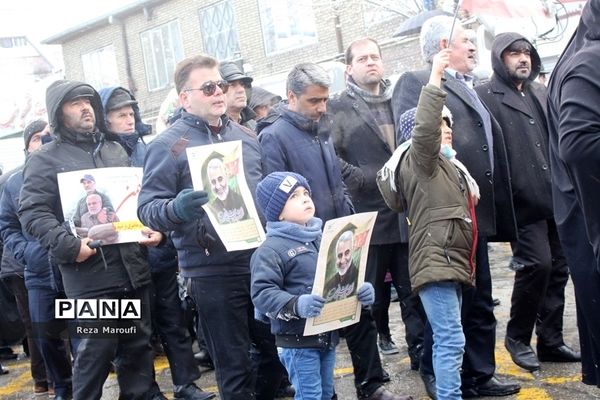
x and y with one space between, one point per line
553 382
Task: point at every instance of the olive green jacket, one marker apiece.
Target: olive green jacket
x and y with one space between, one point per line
442 226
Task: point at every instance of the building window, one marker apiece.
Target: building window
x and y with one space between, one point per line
162 49
219 31
376 12
100 67
15 41
287 24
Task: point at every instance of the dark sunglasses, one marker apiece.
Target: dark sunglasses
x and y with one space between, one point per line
209 88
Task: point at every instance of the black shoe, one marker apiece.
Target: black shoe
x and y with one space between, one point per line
386 345
522 354
415 355
64 396
3 370
191 392
429 382
285 391
383 394
385 377
158 396
562 353
203 359
493 387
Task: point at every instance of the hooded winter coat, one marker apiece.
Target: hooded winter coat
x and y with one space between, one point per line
134 144
124 266
442 233
163 257
524 130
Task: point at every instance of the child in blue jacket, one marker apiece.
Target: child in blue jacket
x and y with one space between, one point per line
283 272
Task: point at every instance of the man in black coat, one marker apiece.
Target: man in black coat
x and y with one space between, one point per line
478 139
115 271
574 128
518 104
362 128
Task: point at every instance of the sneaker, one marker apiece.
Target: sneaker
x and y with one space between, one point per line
387 345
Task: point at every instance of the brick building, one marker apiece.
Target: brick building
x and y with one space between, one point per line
139 45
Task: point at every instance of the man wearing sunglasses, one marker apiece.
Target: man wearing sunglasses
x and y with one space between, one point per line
240 87
218 279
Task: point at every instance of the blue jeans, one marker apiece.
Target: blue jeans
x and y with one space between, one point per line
311 372
442 301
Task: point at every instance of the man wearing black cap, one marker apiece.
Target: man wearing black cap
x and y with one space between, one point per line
237 96
117 271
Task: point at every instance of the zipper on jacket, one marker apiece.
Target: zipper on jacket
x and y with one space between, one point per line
447 255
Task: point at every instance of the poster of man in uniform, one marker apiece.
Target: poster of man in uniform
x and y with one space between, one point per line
341 267
218 169
101 203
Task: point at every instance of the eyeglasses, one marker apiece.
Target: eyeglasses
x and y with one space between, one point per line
209 88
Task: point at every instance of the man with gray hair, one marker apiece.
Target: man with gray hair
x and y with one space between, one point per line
291 141
478 138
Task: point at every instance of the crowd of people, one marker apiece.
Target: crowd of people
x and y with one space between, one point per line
507 160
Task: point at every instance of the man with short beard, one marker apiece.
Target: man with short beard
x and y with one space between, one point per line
114 272
519 105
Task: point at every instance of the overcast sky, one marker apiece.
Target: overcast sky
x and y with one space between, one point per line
42 19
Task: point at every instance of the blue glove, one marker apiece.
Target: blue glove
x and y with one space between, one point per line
309 305
187 206
366 294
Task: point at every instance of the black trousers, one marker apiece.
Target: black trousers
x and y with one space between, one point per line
167 315
361 339
586 280
394 257
479 326
538 297
245 363
132 354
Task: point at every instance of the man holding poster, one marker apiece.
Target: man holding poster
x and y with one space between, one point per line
218 279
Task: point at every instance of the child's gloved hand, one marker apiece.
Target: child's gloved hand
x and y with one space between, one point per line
310 305
366 294
188 204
